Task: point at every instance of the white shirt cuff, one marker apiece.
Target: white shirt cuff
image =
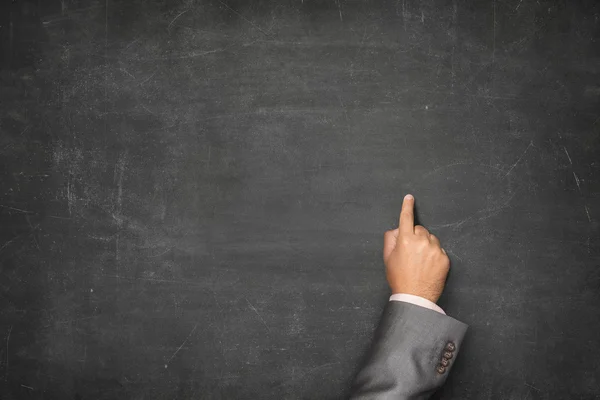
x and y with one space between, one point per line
417 300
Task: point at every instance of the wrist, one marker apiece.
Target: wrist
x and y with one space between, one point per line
432 297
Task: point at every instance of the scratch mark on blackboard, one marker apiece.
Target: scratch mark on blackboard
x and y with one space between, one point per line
340 10
57 217
134 278
589 219
27 387
454 36
70 321
403 13
531 386
15 209
9 242
518 5
452 253
148 78
182 344
519 160
31 175
33 228
190 54
175 19
568 156
163 253
106 57
7 339
477 216
119 172
69 195
577 181
494 34
244 18
588 241
257 313
126 72
198 54
134 41
445 167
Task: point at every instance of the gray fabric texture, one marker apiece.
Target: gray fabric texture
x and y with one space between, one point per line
407 347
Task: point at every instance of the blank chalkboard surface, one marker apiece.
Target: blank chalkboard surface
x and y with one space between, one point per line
194 193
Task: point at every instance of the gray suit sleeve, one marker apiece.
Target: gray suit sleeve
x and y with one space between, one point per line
408 350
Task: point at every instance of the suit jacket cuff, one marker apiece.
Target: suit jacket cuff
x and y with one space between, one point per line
417 300
408 350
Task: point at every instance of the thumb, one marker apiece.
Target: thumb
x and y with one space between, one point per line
389 243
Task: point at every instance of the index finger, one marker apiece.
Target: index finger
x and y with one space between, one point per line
407 217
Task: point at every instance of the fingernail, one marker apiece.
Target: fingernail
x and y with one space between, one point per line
408 197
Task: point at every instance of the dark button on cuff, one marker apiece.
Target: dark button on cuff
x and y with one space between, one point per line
445 362
440 369
447 355
450 346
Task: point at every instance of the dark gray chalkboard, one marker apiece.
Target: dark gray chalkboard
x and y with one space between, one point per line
194 193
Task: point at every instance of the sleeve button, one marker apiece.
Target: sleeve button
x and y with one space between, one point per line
450 346
447 355
440 369
444 362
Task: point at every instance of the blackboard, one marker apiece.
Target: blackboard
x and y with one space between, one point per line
194 193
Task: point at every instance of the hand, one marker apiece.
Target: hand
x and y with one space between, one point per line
415 263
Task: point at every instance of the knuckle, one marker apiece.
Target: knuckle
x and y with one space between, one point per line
446 262
422 242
